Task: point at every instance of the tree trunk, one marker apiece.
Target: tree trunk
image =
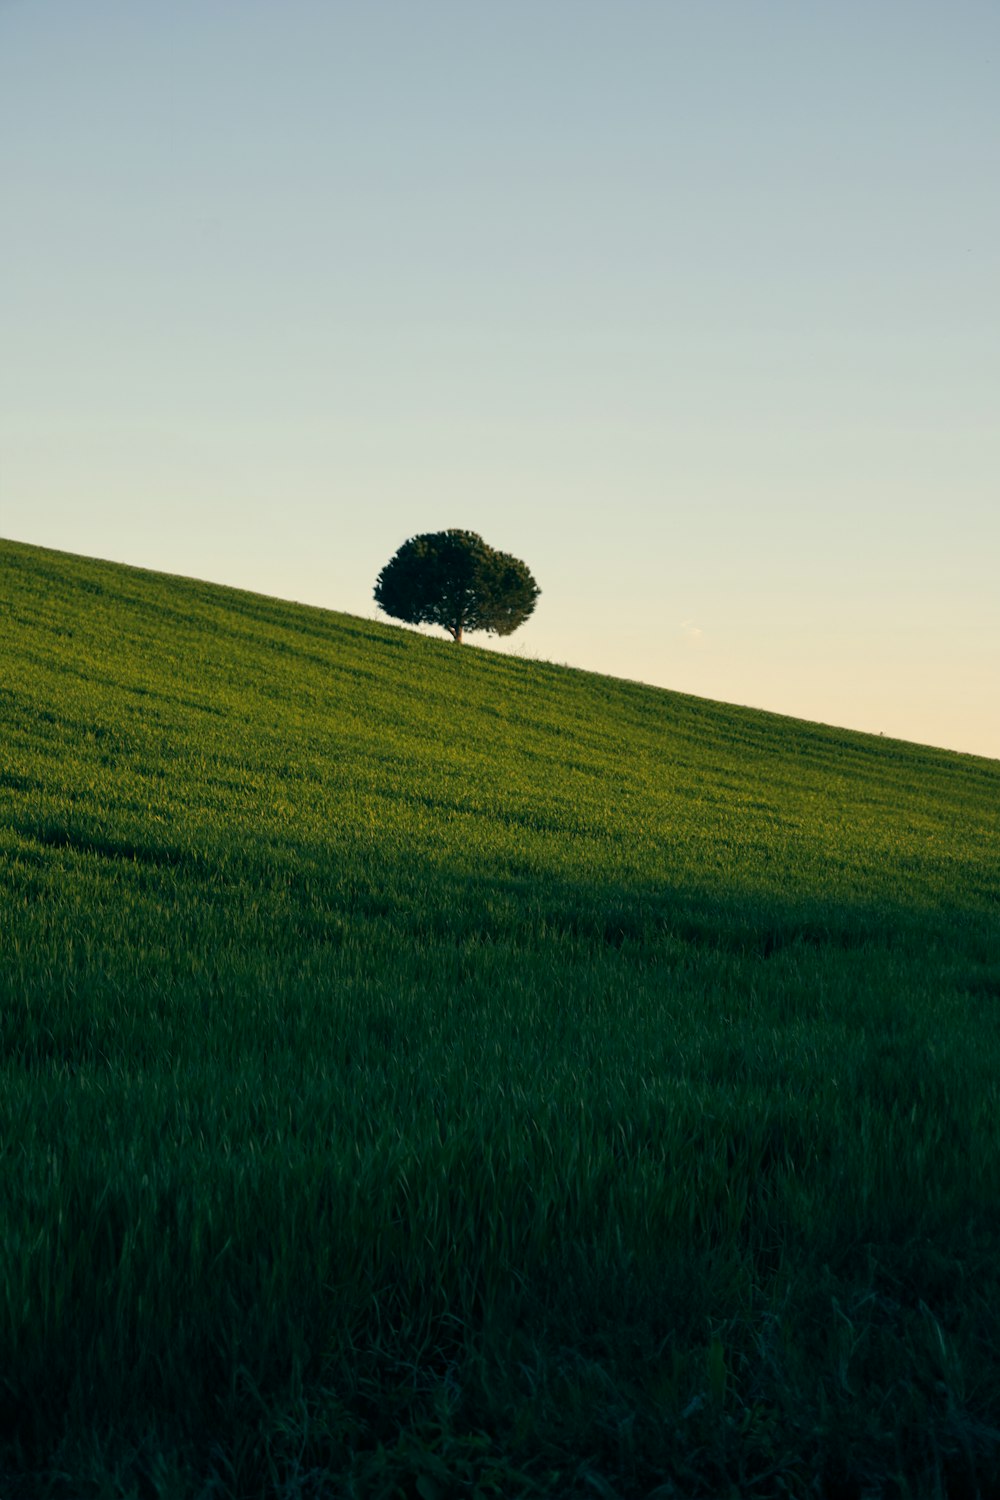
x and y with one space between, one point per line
456 633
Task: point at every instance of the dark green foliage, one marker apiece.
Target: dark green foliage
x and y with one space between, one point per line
424 1075
452 578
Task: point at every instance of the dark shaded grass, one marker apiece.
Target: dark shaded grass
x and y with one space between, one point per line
756 1176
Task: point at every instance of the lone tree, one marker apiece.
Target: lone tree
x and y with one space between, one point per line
452 578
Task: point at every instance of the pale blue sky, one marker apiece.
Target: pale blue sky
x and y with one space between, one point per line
694 306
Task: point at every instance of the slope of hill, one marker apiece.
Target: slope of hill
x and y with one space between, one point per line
427 1072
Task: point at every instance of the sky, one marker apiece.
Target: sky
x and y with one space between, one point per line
693 307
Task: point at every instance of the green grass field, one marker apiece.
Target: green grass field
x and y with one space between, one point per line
427 1073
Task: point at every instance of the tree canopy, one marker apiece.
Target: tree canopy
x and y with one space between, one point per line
453 579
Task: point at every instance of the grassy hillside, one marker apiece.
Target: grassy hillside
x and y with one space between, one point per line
429 1073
